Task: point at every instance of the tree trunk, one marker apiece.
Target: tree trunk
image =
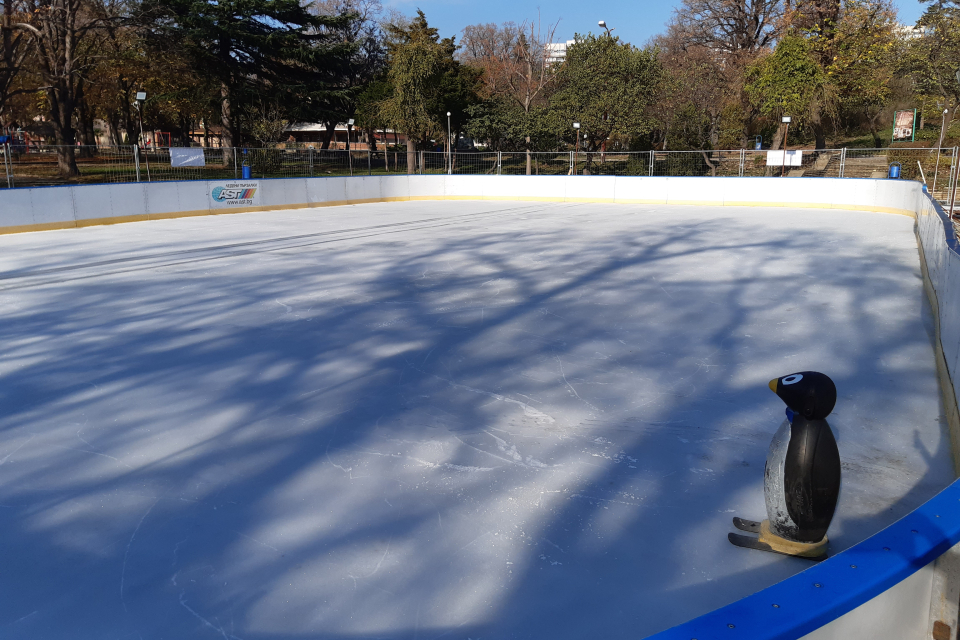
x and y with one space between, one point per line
229 138
329 131
411 155
775 146
371 139
529 159
712 166
61 108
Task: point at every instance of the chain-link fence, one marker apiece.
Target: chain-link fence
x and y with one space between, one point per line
28 166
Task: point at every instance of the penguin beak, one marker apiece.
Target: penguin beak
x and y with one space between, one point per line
773 384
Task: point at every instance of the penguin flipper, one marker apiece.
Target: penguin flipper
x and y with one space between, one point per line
749 542
751 526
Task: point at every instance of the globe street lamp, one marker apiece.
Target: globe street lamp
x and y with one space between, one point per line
603 25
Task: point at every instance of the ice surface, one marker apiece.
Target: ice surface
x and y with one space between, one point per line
424 420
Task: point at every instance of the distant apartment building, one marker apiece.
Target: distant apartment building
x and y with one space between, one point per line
557 51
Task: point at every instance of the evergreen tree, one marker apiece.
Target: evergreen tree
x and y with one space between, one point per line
251 48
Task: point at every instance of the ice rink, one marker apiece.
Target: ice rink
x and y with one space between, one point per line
416 420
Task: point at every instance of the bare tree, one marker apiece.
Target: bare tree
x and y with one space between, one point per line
59 31
515 62
730 27
14 51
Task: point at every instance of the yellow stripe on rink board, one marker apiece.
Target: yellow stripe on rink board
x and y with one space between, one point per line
92 222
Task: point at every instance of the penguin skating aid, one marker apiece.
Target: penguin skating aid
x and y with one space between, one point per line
801 479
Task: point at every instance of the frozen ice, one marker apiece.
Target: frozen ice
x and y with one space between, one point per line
435 419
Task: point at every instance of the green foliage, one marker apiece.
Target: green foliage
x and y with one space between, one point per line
788 82
252 48
608 86
426 82
504 125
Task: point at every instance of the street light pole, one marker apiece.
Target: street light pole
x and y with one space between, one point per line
141 96
449 152
349 155
783 166
576 135
603 25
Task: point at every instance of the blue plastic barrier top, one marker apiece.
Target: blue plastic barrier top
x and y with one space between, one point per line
824 592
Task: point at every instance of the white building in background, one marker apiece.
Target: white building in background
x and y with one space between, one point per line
557 51
907 32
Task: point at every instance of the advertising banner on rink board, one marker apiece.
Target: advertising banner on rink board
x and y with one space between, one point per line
903 125
777 159
235 194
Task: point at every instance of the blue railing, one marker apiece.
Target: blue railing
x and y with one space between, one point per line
824 592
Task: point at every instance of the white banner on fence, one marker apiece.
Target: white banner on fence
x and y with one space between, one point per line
234 194
775 158
186 157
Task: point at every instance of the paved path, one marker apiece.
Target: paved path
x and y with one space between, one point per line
424 420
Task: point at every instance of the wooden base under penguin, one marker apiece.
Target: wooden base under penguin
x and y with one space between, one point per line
768 541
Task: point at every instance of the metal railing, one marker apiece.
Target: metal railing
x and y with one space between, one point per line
41 165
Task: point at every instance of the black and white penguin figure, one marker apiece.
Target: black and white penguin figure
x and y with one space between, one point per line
801 480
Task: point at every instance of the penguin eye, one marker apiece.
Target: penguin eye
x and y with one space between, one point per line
792 379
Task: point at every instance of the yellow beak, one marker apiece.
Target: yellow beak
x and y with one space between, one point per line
773 385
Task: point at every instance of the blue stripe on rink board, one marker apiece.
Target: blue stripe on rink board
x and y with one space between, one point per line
839 584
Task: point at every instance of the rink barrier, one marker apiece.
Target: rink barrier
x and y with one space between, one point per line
49 208
897 583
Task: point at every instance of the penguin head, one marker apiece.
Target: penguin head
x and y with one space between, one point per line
808 393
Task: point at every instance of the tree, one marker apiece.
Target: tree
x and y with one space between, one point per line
60 32
835 60
249 48
933 58
426 81
700 104
516 69
13 52
360 31
732 28
861 58
608 86
790 82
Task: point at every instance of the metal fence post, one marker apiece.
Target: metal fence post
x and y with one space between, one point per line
651 162
310 156
8 165
743 158
234 162
136 160
499 163
843 160
369 161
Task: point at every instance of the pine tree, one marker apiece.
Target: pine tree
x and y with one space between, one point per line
254 48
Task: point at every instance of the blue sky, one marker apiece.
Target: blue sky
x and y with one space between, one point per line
634 20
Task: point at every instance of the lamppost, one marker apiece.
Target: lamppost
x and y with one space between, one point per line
783 167
141 97
576 135
449 151
349 155
603 25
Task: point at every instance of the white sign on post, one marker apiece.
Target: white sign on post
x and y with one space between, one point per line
187 157
234 194
776 159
